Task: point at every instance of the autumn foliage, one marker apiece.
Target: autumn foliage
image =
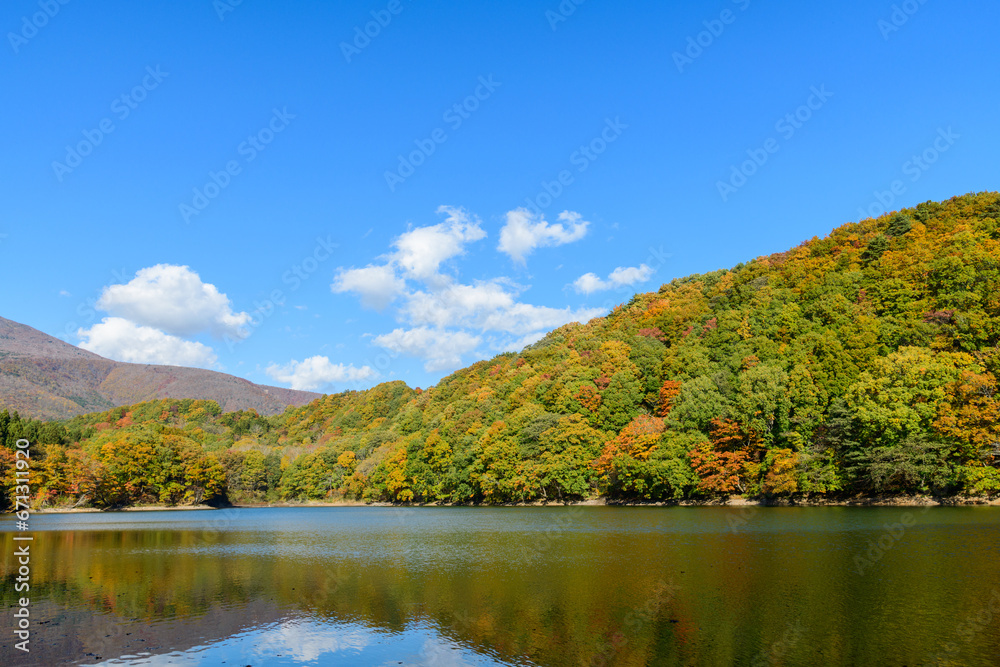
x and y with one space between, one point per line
859 363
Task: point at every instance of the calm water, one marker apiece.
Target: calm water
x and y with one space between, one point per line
512 586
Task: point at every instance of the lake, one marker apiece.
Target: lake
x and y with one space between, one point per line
511 586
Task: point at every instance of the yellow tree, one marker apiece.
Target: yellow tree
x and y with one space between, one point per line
970 413
781 478
396 481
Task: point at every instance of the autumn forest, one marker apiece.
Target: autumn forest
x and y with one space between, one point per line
860 364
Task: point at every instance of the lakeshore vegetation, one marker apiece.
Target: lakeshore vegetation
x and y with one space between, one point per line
865 362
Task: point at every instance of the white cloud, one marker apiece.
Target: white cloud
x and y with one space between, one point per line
518 344
314 372
487 306
122 340
440 651
524 231
175 300
630 275
483 308
419 255
524 318
589 283
307 641
457 305
444 319
441 350
377 286
420 251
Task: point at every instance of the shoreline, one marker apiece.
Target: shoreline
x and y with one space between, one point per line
733 501
132 508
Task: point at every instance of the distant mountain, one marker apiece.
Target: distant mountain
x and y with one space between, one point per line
43 377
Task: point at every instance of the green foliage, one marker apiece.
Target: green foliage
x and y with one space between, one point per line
901 394
899 225
980 480
863 362
915 464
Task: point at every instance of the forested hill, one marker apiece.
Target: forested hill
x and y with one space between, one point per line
861 363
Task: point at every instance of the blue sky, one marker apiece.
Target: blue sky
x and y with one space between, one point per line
262 189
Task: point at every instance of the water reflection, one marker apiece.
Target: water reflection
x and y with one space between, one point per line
517 586
306 641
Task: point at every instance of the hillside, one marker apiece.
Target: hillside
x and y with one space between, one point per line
862 363
43 377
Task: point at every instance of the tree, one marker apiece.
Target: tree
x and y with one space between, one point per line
204 478
497 472
559 469
899 397
666 473
915 464
899 225
619 401
719 473
970 414
668 394
637 441
127 459
875 249
308 477
698 403
396 481
436 455
980 479
8 480
781 478
348 461
254 476
761 402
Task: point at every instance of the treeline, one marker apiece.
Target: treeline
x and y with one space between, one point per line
862 363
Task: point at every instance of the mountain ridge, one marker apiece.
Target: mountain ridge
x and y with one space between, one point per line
44 377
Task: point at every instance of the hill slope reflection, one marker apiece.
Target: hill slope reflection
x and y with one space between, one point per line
492 586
